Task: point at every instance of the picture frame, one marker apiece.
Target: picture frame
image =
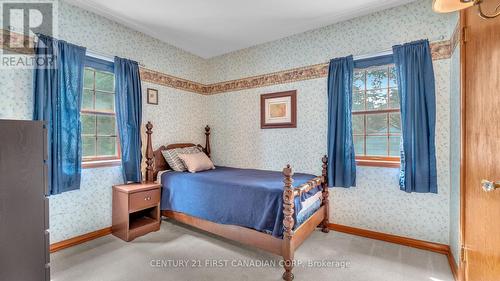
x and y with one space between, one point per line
278 110
152 96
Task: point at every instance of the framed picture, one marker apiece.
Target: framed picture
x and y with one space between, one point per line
278 110
152 96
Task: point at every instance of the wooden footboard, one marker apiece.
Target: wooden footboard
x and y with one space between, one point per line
292 239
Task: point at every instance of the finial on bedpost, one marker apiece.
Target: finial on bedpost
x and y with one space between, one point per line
288 222
207 140
325 193
149 154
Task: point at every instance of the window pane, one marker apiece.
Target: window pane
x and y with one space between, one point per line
104 81
359 80
88 78
393 98
376 123
376 78
88 144
104 101
88 124
393 82
88 99
376 134
376 99
359 145
394 146
106 125
358 101
395 123
106 146
376 146
358 124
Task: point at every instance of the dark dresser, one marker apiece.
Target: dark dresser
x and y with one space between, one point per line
24 220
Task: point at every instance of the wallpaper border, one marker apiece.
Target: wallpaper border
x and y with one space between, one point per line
440 50
7 35
163 79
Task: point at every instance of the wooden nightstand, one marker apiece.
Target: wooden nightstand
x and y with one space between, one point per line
136 209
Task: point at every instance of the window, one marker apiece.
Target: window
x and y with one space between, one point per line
376 117
99 132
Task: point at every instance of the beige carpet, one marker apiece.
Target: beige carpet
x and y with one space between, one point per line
178 252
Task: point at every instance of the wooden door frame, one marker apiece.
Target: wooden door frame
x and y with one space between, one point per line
461 266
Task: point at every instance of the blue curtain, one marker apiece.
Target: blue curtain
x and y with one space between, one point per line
57 93
100 64
129 114
374 61
415 77
341 159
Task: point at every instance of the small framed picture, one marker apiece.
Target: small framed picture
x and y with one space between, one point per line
278 110
152 96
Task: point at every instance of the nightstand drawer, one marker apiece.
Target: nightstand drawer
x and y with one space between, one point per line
143 199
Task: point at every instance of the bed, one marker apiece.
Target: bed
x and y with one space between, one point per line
273 211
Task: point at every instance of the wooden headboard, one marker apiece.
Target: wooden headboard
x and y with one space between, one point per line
155 161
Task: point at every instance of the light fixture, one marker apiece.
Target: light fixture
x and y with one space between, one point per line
446 6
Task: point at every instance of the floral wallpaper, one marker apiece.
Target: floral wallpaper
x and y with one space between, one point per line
237 140
89 209
178 117
376 203
85 210
16 94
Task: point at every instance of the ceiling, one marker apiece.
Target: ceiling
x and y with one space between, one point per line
211 28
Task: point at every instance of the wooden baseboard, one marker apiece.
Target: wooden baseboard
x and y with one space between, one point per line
453 265
79 239
410 242
415 243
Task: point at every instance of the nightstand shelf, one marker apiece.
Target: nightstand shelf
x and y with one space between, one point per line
141 222
136 210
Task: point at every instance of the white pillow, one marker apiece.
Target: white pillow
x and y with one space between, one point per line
196 162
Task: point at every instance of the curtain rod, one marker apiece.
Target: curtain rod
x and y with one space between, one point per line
98 55
106 57
372 55
387 51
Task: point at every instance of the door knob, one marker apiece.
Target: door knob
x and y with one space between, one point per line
490 185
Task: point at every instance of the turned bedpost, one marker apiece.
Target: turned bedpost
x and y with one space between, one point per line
288 222
149 154
324 185
207 140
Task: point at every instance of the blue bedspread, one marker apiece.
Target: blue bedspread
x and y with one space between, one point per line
244 197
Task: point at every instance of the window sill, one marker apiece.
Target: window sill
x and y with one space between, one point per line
378 163
101 163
